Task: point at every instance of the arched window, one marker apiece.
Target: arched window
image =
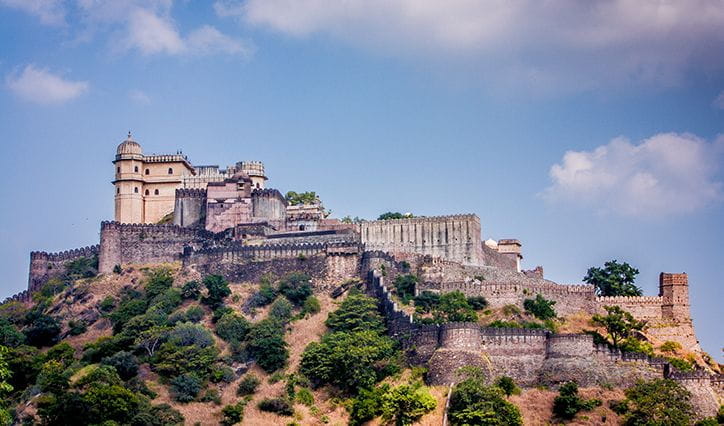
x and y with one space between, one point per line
118 169
135 169
257 185
148 172
135 190
118 190
155 192
170 171
148 193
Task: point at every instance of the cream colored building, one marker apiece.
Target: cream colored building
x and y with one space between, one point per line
146 185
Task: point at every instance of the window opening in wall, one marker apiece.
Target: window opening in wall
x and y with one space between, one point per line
135 169
118 169
170 171
135 190
148 172
118 190
148 193
155 192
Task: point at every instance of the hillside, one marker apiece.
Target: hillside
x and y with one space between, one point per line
152 344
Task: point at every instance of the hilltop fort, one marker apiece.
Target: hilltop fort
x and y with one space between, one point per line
228 221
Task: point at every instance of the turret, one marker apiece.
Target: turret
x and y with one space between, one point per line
511 247
128 182
674 289
255 170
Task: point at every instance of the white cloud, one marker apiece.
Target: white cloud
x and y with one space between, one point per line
719 101
523 42
140 97
208 40
43 87
666 174
150 33
50 12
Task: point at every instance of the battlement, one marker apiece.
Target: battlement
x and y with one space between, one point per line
73 254
268 193
190 193
639 300
155 229
426 219
165 158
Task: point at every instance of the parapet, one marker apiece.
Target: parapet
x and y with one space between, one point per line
629 300
268 193
72 254
190 193
428 219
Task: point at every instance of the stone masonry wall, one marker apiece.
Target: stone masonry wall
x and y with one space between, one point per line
44 266
190 208
454 238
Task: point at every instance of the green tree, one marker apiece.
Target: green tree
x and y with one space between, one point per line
658 402
299 198
9 334
124 362
405 404
474 403
614 279
405 286
43 331
540 307
567 404
281 310
114 403
218 290
349 361
395 215
266 344
454 307
356 313
232 327
158 282
507 385
296 287
233 413
618 323
189 348
426 301
191 290
186 387
5 387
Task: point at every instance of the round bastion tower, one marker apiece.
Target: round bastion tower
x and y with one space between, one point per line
128 182
255 170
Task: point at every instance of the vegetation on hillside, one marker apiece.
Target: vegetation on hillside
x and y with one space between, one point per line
614 279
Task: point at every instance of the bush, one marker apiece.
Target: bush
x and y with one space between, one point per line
220 312
84 267
474 403
266 344
264 296
281 310
77 327
304 396
194 313
124 362
659 402
356 313
9 334
407 403
367 405
232 327
185 387
217 290
454 307
189 348
158 282
296 287
43 331
110 403
311 306
567 404
477 302
158 415
191 290
680 364
126 310
540 307
117 269
426 301
507 385
279 406
212 395
632 344
670 346
222 373
405 286
233 413
248 385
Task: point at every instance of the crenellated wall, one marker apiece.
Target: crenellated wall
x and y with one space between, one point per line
123 243
454 237
190 208
44 266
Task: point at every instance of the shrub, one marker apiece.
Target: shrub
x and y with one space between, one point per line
670 346
356 313
507 385
540 307
477 302
266 344
248 385
212 395
117 269
158 415
454 307
659 402
77 327
9 334
189 348
110 403
126 310
232 327
233 413
311 306
158 282
281 310
367 405
43 331
220 312
222 373
405 286
567 404
84 267
279 406
426 301
124 362
264 296
217 290
304 396
474 403
511 310
407 403
191 290
185 387
680 364
635 345
296 287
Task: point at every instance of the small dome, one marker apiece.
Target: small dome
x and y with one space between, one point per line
240 176
129 147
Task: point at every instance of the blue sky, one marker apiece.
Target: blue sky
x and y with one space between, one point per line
588 130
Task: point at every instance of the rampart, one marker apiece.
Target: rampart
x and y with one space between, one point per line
142 243
454 237
44 266
641 307
190 208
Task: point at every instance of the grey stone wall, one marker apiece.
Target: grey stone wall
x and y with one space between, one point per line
190 208
44 266
268 204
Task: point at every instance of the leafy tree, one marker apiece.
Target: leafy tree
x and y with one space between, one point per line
158 415
356 313
110 403
151 339
43 331
84 267
25 363
127 309
405 404
248 385
96 375
77 327
189 348
567 404
507 385
62 352
233 413
14 312
158 282
394 215
299 198
281 310
367 405
266 294
124 362
349 360
405 286
311 306
53 377
218 290
5 387
280 406
266 344
185 387
618 323
454 307
426 301
191 290
614 279
296 287
474 403
232 327
632 344
540 307
477 302
9 334
658 402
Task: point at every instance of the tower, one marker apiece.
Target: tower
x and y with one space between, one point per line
674 289
255 170
128 182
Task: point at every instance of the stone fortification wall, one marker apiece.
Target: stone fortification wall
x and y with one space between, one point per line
641 307
498 260
327 263
143 243
23 296
269 205
44 266
326 236
454 238
190 208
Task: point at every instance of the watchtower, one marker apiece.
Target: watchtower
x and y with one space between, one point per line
255 170
674 290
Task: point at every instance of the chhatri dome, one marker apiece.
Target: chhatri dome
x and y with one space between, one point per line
129 147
